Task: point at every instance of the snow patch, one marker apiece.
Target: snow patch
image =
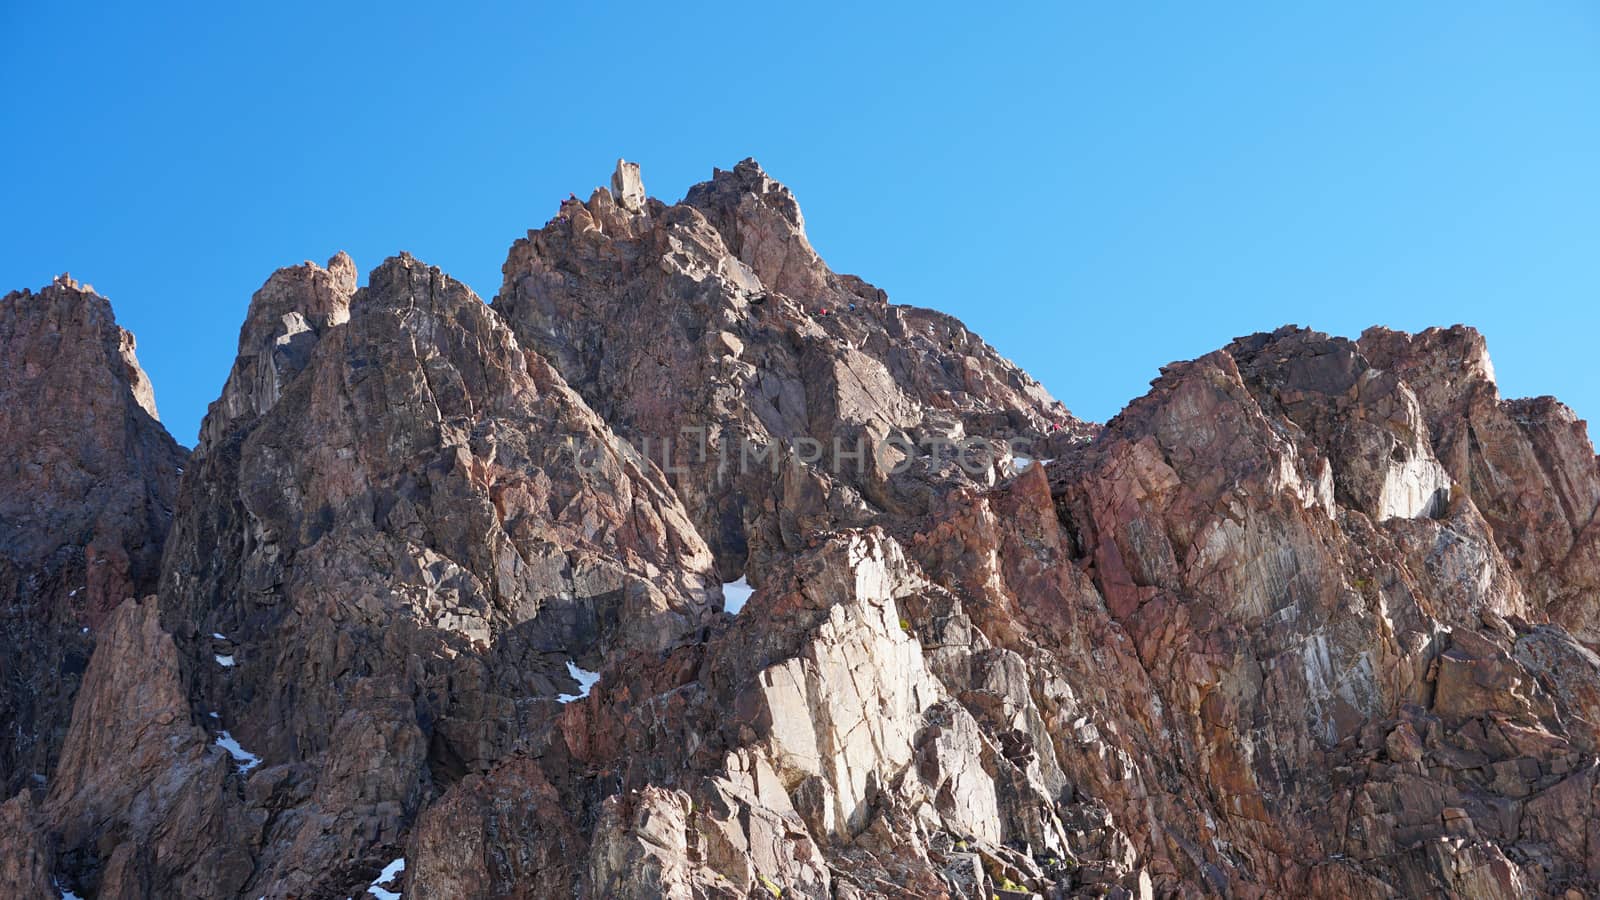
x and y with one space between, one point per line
65 894
220 637
387 876
1020 464
585 680
243 757
735 594
225 661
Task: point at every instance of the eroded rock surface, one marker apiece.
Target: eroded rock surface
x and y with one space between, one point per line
1312 617
712 337
1528 465
387 553
143 802
87 486
26 864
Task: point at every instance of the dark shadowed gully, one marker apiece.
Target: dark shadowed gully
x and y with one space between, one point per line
436 606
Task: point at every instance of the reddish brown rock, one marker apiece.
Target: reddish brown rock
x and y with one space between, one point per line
144 802
413 554
1308 617
26 863
1260 524
506 834
285 320
87 487
1527 464
711 335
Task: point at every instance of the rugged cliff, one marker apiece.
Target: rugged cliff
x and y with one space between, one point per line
1313 616
711 337
87 486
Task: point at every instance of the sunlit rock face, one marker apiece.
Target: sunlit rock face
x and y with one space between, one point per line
388 538
711 335
1528 465
285 319
1312 617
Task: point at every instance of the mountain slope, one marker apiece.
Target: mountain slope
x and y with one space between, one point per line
1312 617
711 336
87 488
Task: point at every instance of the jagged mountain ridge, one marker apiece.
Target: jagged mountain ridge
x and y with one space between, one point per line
1310 616
715 316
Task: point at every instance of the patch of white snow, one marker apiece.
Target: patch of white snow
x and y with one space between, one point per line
243 757
387 876
225 661
735 594
585 680
1020 464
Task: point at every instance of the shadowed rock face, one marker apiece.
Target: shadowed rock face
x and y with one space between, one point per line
143 798
87 485
1311 617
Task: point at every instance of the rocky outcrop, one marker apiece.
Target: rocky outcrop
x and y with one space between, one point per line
1315 646
1528 465
87 487
26 864
1312 617
817 754
143 801
780 397
388 552
285 320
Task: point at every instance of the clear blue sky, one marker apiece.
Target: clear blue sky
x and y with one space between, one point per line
1097 188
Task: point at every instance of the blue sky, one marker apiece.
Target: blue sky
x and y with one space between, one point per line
1097 188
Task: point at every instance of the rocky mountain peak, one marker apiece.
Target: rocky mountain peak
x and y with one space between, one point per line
87 490
627 187
760 221
692 568
1445 366
75 312
753 344
286 318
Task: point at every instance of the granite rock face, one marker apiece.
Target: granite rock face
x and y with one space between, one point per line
1315 648
387 553
142 800
1528 465
1312 617
781 398
87 487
